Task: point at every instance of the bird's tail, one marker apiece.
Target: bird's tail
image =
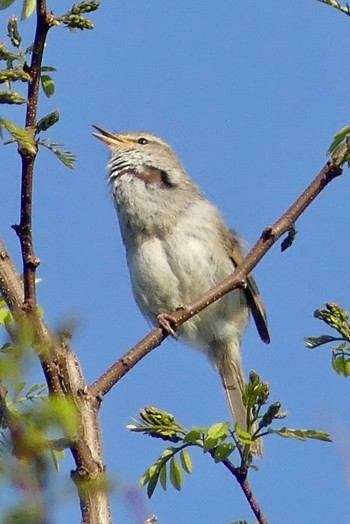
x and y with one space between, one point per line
230 369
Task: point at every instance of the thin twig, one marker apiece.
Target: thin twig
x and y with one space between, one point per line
269 237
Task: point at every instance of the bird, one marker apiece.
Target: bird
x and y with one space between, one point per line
177 248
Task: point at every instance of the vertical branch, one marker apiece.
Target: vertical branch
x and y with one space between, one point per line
62 369
24 229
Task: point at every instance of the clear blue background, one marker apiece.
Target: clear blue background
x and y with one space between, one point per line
250 95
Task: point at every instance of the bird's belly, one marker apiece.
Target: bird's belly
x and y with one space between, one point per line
155 286
166 275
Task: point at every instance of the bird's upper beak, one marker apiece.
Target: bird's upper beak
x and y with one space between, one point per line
109 138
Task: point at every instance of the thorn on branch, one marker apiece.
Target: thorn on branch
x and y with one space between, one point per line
267 233
17 229
33 262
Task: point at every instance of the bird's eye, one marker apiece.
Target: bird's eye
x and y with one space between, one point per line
142 141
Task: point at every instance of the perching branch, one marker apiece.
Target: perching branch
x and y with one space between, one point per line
238 279
269 237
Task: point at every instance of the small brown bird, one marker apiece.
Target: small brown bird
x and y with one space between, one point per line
177 248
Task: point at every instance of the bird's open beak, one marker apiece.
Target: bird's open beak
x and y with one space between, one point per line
109 138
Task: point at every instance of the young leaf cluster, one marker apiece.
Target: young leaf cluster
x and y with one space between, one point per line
12 66
219 440
340 146
16 68
73 19
337 319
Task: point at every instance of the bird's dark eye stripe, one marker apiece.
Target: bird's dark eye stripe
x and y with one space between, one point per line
142 140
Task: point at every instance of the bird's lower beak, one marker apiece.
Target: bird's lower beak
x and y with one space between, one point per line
109 138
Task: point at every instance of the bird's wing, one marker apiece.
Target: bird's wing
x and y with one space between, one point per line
252 292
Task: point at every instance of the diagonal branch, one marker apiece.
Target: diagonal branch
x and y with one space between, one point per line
269 237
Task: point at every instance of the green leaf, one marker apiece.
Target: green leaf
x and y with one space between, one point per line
147 475
48 68
22 136
47 121
48 85
192 436
66 157
76 22
152 483
11 97
186 461
210 443
338 138
28 8
314 342
19 387
4 4
341 365
5 54
13 74
57 412
56 456
223 451
4 316
216 433
243 436
168 452
302 434
163 476
37 389
219 430
175 473
12 30
85 7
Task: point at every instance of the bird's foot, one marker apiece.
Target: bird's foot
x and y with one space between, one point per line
168 323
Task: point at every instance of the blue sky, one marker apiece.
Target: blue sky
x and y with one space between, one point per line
250 95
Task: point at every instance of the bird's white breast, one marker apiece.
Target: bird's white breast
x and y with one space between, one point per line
170 271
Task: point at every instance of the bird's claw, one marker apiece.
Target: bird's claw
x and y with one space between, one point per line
168 323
